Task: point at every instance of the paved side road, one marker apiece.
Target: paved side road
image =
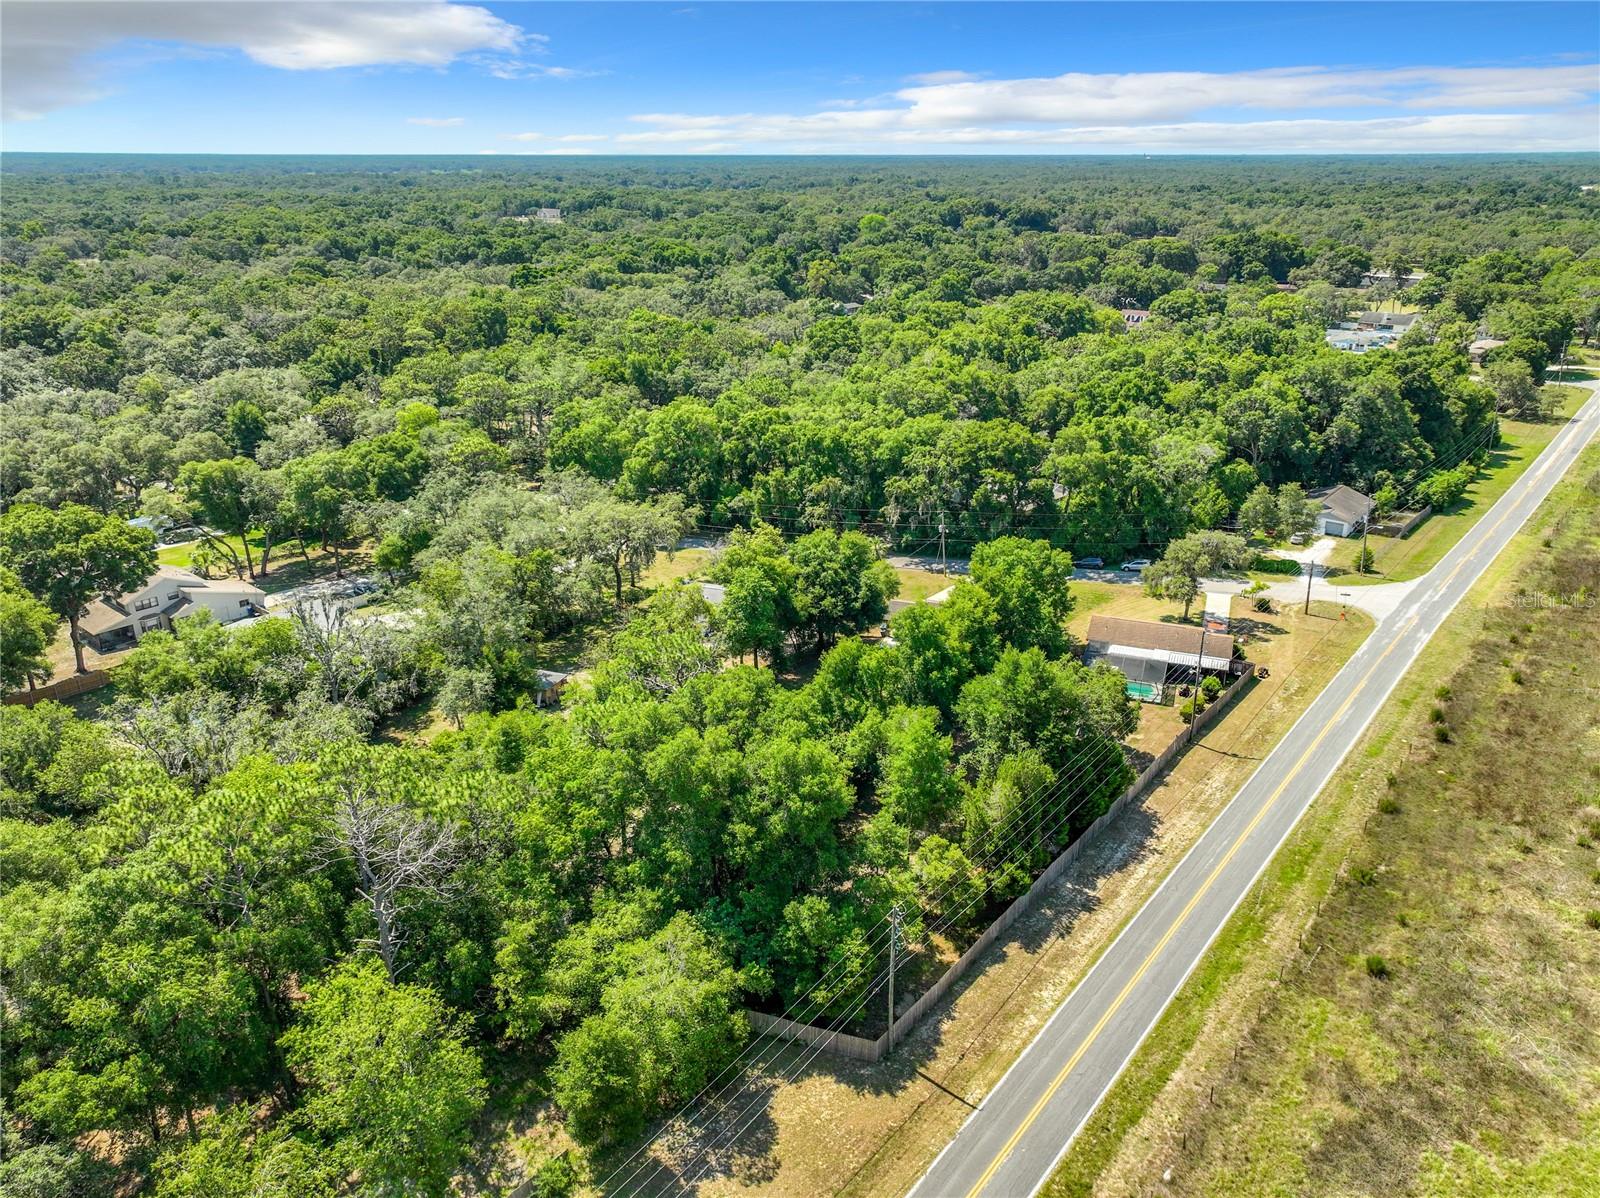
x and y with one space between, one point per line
1009 1146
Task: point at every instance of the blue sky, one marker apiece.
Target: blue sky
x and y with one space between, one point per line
438 76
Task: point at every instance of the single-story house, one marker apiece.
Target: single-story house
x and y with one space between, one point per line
1149 653
713 592
1357 342
1344 510
118 622
1479 349
548 686
1133 316
1399 322
1372 278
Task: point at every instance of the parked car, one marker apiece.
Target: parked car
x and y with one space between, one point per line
1134 565
1090 563
1299 538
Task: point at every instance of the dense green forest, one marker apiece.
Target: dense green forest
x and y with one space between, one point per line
252 945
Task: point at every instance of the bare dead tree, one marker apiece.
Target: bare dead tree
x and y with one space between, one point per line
402 857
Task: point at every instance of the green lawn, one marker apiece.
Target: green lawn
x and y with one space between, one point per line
1399 560
916 585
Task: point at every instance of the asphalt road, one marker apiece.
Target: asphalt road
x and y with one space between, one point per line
1009 1146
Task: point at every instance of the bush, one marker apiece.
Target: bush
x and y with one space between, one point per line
1365 559
1377 967
1389 805
1274 565
554 1178
1441 734
1187 712
1591 919
1211 688
1262 603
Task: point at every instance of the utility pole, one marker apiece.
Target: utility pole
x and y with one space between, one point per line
1199 667
944 566
1368 524
1311 572
895 916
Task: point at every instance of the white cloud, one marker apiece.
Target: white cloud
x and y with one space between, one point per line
50 48
579 137
1343 110
522 136
943 77
437 122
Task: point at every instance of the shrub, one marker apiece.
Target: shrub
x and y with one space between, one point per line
1187 711
1517 677
1262 603
1389 805
1591 919
1274 565
1436 716
1211 687
1363 875
554 1178
1377 967
1441 734
1441 692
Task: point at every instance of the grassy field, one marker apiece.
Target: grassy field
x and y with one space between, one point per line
685 563
1398 560
1409 1001
916 585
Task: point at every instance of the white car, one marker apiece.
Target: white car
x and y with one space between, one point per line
1134 565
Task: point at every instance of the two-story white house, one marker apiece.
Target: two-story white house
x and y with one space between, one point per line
114 623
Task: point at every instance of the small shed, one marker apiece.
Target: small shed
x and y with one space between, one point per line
547 687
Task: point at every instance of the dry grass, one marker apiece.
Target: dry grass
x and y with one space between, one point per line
1410 1003
684 563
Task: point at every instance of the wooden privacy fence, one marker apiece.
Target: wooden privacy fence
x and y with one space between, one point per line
1401 524
76 684
860 1048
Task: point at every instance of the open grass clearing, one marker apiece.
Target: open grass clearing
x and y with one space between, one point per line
916 584
683 564
1408 1002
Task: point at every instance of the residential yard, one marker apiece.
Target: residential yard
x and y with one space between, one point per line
862 1130
285 568
916 585
684 563
1398 560
1409 1003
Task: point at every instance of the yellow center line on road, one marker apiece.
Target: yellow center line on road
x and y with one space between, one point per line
1094 1032
1183 916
